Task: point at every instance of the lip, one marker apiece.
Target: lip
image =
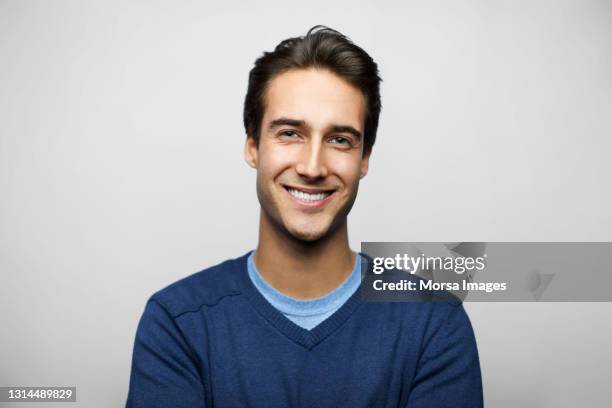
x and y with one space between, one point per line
313 204
308 189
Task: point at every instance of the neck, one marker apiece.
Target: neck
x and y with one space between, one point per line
301 269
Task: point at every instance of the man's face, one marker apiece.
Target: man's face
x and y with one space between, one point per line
310 155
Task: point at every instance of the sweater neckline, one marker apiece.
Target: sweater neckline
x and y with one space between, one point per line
306 338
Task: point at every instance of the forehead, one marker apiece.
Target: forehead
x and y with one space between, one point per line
316 96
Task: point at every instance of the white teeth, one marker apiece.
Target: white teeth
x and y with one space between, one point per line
300 195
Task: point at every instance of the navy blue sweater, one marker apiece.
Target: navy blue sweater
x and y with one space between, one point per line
211 339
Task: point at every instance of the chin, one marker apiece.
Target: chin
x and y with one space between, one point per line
307 234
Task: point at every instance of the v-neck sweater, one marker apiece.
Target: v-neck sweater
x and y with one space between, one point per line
306 313
212 340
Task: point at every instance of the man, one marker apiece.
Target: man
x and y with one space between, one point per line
284 325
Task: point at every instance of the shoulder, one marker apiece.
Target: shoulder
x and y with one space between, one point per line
395 285
429 309
206 287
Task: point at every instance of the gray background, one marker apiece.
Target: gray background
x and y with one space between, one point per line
121 167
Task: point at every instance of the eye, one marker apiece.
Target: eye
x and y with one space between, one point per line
289 133
340 140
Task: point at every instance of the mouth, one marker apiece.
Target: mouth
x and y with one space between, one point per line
309 197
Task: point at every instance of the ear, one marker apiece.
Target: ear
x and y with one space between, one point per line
365 163
250 152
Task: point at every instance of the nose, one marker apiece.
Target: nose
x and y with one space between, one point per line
311 163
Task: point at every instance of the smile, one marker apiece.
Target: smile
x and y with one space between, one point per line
311 198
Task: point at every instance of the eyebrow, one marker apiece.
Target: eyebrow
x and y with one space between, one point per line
302 124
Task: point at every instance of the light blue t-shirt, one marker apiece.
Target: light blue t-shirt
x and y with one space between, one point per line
307 313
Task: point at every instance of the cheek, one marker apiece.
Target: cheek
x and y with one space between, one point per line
273 160
347 168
